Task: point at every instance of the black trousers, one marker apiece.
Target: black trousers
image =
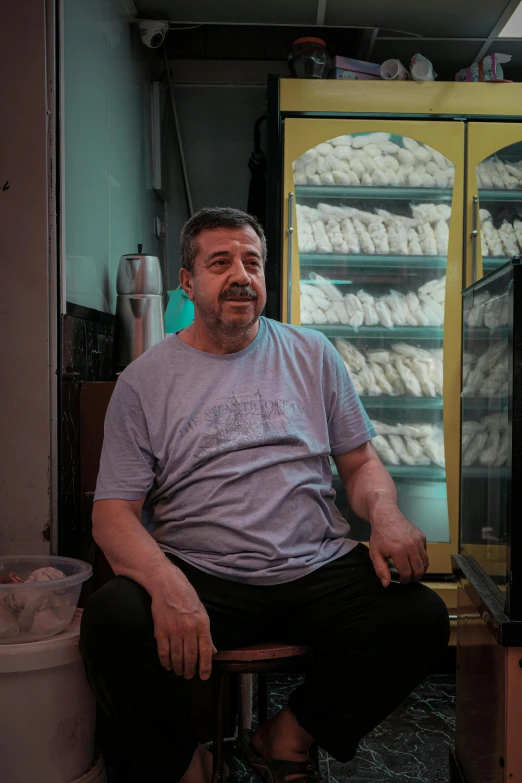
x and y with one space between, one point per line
372 646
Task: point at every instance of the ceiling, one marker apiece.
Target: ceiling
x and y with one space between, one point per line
451 33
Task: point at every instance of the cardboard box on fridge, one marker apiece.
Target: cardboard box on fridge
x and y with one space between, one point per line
348 68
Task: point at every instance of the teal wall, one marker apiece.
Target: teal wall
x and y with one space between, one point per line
109 204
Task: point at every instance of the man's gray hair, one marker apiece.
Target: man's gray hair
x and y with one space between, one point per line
209 218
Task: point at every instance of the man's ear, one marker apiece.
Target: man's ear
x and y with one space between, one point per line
185 278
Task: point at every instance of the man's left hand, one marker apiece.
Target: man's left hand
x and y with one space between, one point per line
393 536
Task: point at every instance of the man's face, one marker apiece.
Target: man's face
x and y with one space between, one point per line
228 284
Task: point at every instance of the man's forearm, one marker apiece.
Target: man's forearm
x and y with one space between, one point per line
373 496
130 549
368 486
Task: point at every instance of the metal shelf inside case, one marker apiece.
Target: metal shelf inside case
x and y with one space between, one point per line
340 192
398 403
426 472
489 196
380 332
373 262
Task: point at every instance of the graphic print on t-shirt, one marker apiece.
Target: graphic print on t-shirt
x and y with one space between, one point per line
242 421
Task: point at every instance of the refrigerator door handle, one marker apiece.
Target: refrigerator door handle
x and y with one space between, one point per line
474 238
290 238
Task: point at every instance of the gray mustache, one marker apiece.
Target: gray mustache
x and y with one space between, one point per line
239 292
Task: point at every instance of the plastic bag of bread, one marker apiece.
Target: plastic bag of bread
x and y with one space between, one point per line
8 622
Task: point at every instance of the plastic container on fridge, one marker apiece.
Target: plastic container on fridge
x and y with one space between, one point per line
39 609
309 59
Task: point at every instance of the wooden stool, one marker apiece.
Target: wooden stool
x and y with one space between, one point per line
257 659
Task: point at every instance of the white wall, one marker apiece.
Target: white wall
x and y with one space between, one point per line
109 202
25 277
217 130
217 127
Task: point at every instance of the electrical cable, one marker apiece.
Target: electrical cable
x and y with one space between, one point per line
188 193
192 27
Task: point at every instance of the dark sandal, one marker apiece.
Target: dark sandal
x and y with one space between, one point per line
275 771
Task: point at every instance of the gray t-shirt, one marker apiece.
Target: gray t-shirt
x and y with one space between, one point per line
232 452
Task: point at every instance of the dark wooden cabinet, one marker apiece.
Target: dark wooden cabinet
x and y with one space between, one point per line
94 400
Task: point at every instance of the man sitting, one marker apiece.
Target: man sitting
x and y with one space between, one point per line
214 506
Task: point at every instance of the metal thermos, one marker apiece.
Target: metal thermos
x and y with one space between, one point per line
139 307
139 274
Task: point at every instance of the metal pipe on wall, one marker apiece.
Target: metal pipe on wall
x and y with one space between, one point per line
186 184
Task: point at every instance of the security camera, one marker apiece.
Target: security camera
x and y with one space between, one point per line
153 33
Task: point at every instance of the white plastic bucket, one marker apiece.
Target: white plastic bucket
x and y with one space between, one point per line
48 712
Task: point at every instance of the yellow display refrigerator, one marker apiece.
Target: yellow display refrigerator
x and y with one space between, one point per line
384 201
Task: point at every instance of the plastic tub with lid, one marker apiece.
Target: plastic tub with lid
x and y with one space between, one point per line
31 611
48 715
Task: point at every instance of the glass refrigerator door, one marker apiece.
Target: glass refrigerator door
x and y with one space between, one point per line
494 198
374 261
485 440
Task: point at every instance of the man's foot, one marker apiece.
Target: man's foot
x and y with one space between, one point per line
200 768
282 738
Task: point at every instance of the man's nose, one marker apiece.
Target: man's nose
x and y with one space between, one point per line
238 273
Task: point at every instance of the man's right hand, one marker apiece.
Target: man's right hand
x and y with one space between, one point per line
181 623
182 628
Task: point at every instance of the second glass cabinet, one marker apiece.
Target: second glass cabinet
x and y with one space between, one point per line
491 432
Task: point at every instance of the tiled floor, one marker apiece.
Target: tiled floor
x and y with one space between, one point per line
411 746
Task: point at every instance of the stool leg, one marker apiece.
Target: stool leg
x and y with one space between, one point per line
218 741
262 697
244 702
314 754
